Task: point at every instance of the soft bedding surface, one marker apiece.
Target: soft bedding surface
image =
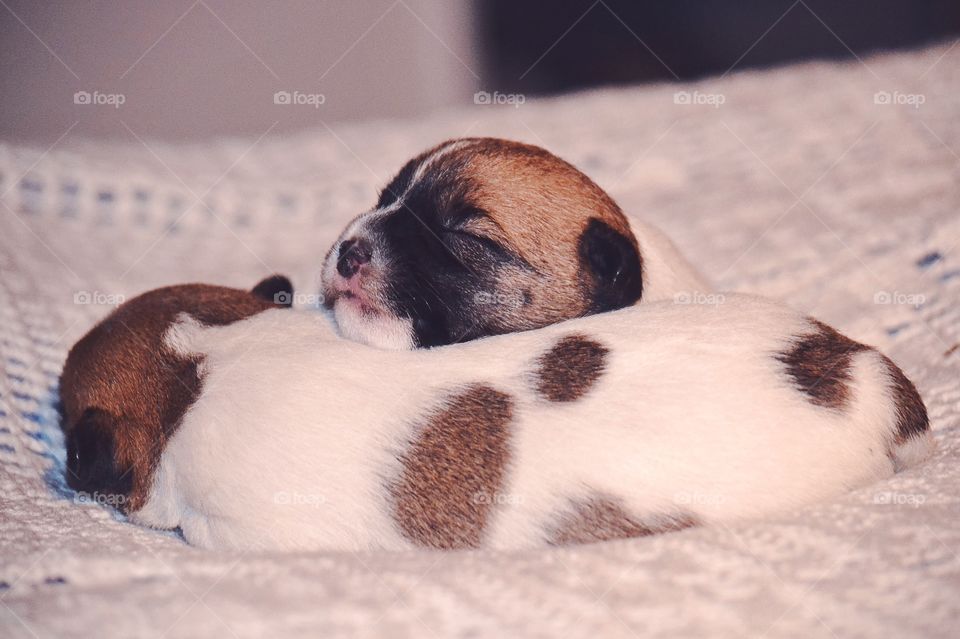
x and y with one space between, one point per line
803 184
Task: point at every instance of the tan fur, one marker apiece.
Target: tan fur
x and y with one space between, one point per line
569 370
452 471
539 205
819 364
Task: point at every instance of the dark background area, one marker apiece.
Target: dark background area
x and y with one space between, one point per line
539 47
190 70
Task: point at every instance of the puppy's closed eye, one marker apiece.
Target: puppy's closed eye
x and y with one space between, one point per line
468 218
472 230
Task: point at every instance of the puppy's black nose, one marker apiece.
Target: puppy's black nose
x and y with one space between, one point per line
352 255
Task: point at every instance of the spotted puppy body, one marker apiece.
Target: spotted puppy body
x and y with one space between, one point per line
482 236
648 419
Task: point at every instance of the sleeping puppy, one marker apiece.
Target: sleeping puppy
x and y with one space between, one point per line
122 392
481 236
647 419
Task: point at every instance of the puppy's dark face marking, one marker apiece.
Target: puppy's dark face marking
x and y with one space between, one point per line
441 497
481 236
602 518
819 365
123 394
569 370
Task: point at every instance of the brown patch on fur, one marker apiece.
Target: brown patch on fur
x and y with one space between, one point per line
912 417
441 498
819 364
568 370
538 206
123 393
602 519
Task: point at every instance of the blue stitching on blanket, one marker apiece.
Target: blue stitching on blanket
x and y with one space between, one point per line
949 275
929 260
893 330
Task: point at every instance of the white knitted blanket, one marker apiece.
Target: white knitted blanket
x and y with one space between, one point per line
803 183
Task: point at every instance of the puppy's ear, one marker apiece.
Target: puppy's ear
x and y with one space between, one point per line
612 265
92 466
276 289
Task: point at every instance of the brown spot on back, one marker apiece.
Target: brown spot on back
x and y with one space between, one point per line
123 393
568 370
819 364
603 518
911 413
458 458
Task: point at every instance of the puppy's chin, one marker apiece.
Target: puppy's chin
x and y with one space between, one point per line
373 328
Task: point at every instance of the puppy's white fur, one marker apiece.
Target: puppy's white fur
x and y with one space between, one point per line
297 432
666 272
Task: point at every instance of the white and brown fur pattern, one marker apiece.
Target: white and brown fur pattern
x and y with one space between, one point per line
481 236
648 419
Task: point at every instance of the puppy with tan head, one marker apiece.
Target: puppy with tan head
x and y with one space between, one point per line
481 236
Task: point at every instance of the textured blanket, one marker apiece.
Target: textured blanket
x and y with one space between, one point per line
833 187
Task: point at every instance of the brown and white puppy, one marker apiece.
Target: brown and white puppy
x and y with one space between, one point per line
123 392
643 420
481 236
708 415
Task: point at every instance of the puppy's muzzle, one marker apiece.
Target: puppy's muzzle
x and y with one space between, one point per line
352 255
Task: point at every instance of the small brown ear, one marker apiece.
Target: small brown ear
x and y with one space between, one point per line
612 265
276 289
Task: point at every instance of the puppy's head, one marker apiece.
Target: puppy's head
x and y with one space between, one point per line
478 237
123 392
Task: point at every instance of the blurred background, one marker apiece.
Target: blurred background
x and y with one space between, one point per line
183 70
